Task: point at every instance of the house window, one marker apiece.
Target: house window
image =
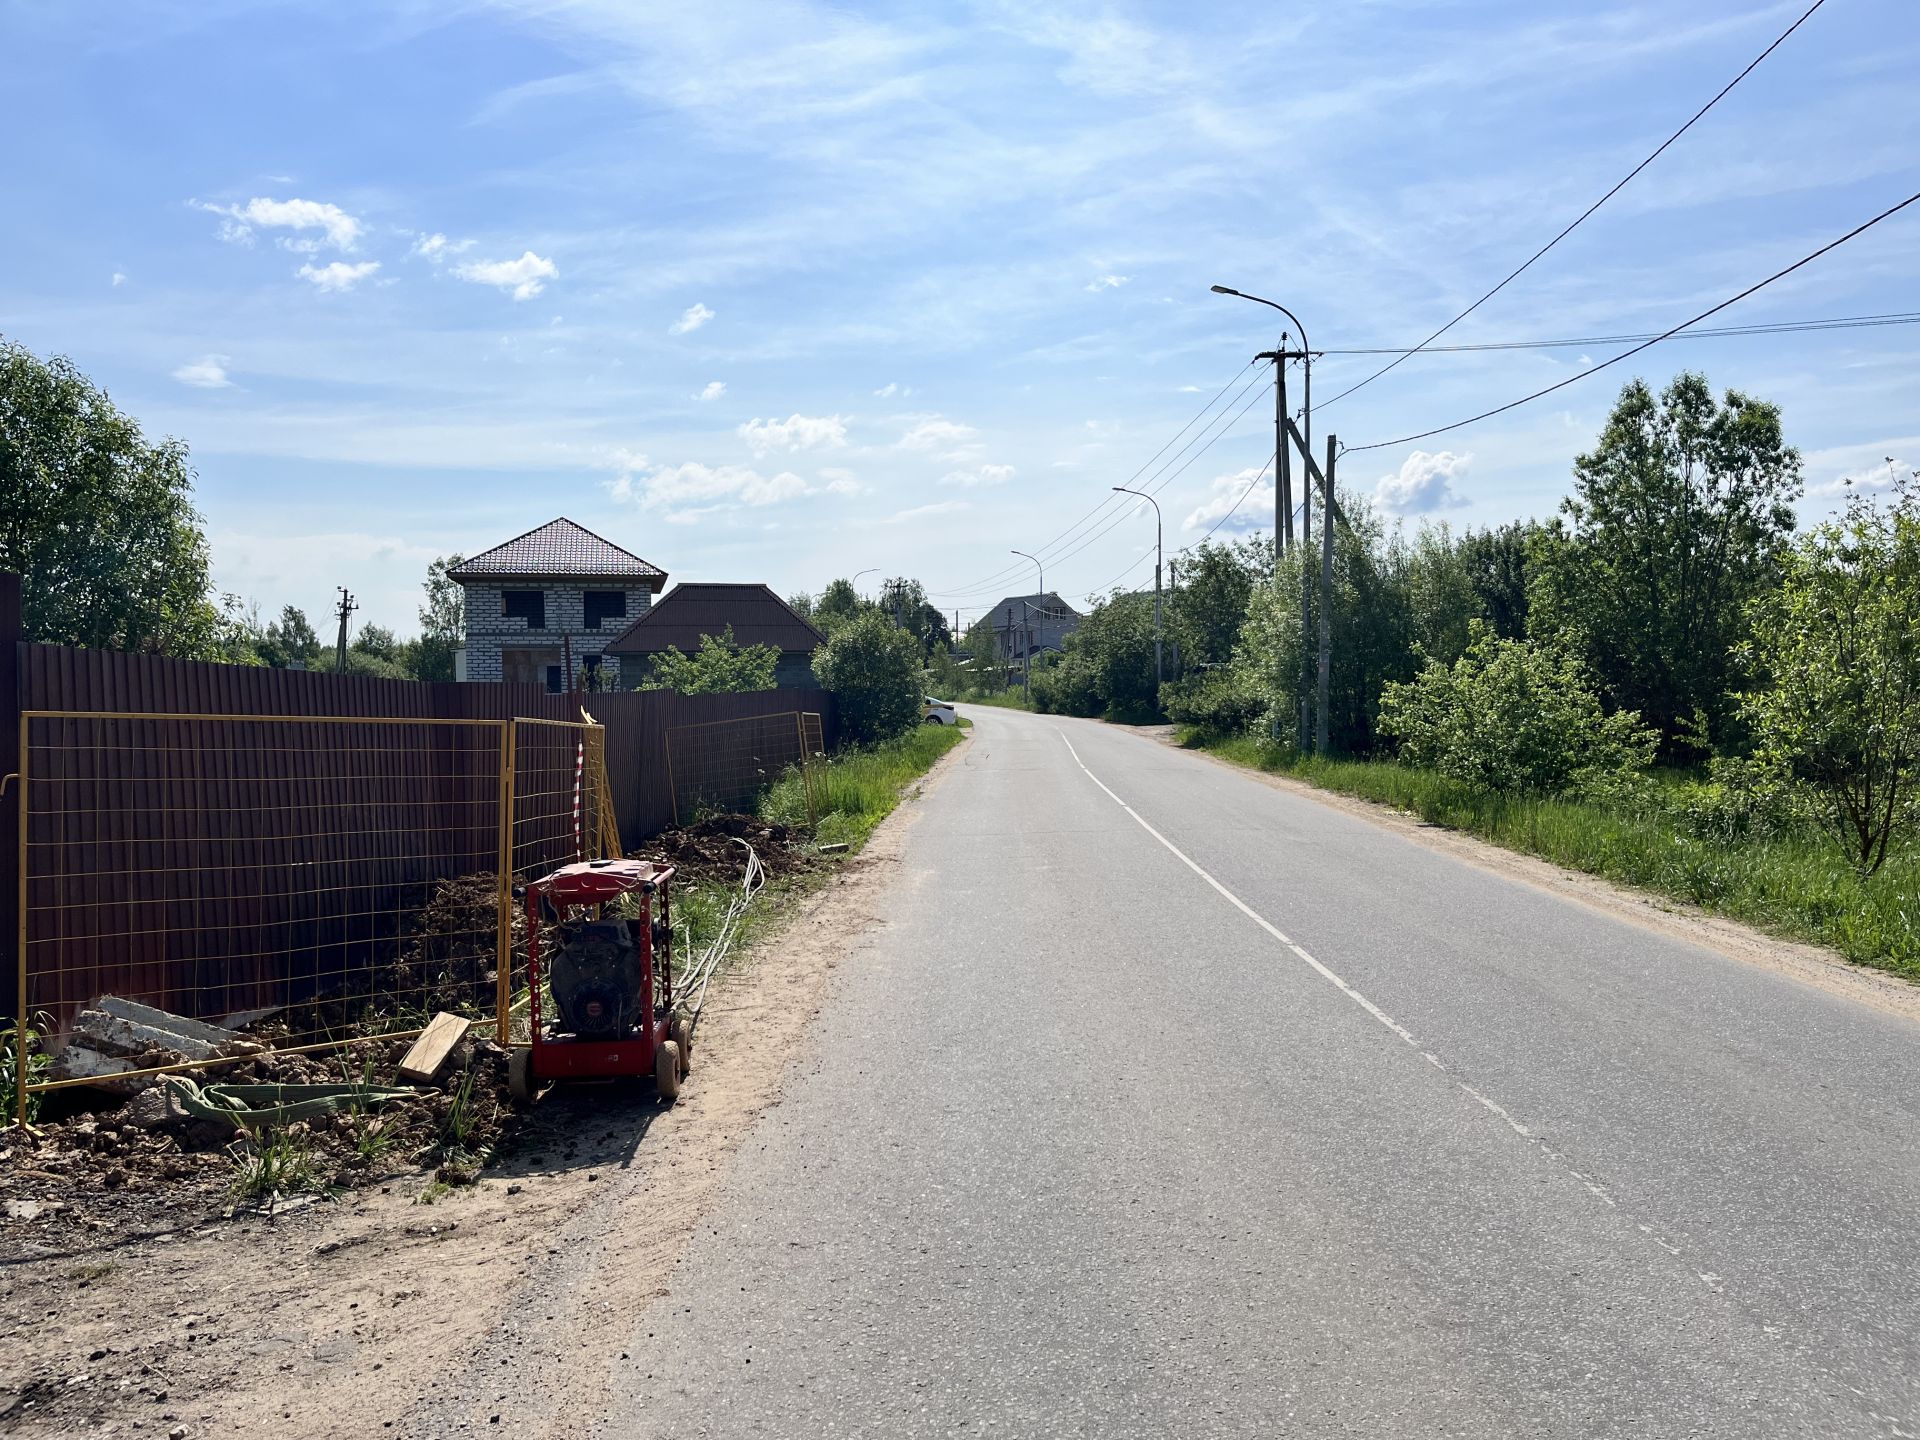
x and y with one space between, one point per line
604 605
527 605
554 685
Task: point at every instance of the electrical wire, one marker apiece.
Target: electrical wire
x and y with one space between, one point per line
1783 327
1192 545
1621 185
1663 335
1153 484
999 577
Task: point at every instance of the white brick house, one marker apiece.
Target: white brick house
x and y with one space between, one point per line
556 587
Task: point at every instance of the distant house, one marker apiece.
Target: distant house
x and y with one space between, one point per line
554 588
1026 625
757 617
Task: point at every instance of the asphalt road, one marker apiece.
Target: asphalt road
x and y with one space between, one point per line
1266 1120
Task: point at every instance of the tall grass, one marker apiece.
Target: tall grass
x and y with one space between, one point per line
1014 699
1793 885
860 786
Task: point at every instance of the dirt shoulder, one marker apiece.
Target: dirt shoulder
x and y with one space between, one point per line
1808 964
375 1313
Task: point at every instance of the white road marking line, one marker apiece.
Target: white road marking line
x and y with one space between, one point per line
1242 906
1599 1191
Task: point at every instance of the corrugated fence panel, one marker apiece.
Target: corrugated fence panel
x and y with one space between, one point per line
422 820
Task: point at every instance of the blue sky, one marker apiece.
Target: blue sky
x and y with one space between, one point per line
784 291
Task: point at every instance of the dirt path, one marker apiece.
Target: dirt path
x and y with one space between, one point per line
377 1314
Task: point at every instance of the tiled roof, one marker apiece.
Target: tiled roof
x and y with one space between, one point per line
558 547
680 618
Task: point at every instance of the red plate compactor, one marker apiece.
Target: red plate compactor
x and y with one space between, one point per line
610 978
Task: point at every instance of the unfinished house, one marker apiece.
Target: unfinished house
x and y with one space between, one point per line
556 588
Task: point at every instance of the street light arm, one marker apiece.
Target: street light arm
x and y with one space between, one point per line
1259 300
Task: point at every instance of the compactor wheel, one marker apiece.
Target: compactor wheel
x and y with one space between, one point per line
666 1069
681 1032
520 1076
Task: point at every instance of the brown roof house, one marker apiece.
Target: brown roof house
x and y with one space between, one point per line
556 586
757 617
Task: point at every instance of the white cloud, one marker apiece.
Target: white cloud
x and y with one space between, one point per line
678 488
934 432
796 432
691 319
1863 474
338 228
840 481
1423 484
437 247
1107 282
209 372
338 275
979 475
1250 509
891 389
923 512
119 278
714 390
525 277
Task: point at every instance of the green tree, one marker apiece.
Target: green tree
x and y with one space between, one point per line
1680 517
99 523
291 639
1497 562
1371 639
1840 640
837 605
1512 717
1106 666
718 667
443 621
873 671
1204 616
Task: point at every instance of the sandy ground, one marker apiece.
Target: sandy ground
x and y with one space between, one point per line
377 1314
1809 964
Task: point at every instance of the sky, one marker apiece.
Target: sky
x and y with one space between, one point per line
787 291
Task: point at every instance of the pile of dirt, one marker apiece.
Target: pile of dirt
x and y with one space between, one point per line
705 852
140 1166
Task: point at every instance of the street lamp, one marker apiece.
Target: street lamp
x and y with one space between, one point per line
856 578
1283 494
1026 634
1159 672
1281 468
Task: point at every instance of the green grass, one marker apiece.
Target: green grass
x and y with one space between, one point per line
1004 699
860 786
1795 886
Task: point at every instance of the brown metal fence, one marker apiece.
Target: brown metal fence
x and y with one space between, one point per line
324 878
725 765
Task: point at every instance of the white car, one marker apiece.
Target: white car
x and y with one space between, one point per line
937 712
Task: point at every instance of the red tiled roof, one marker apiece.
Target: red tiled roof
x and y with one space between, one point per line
689 611
559 548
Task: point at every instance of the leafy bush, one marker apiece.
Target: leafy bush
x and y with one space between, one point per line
1106 666
1512 718
719 667
1216 701
873 671
1840 724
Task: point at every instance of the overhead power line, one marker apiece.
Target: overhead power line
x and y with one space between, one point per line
1137 563
1783 327
1663 335
1000 577
1618 187
1113 515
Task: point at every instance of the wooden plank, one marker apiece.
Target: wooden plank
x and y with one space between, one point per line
429 1053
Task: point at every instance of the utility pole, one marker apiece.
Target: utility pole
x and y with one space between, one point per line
345 607
1159 670
1026 651
1326 601
1173 598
